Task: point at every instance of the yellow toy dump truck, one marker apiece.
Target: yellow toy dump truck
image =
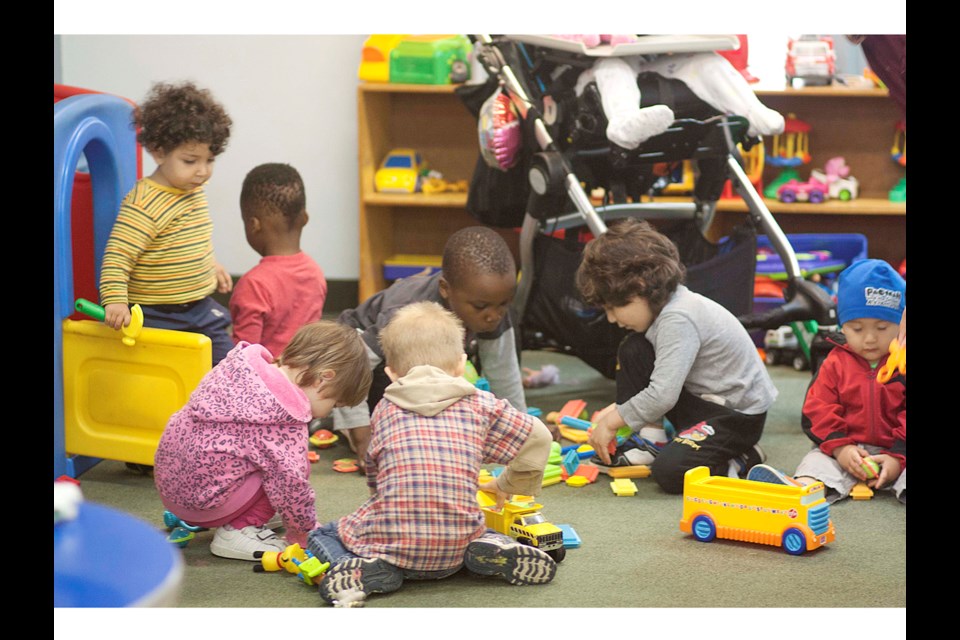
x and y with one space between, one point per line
794 517
520 518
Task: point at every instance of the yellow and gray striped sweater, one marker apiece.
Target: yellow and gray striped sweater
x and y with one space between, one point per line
160 250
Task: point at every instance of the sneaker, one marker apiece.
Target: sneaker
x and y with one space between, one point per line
276 522
353 580
632 452
514 562
748 460
240 544
766 473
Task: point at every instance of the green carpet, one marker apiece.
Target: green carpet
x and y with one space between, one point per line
632 555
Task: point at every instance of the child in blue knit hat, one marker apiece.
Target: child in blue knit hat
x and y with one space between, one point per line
851 418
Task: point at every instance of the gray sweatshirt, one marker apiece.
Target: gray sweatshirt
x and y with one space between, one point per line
703 348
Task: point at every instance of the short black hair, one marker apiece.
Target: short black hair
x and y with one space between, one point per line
476 250
175 114
273 187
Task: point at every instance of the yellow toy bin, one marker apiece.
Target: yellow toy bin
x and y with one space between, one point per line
117 399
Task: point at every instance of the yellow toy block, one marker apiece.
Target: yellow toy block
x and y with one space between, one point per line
551 481
117 398
636 471
623 487
577 436
861 491
577 481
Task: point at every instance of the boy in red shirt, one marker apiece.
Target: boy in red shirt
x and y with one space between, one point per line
287 289
848 414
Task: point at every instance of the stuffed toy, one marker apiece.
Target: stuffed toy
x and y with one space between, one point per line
710 76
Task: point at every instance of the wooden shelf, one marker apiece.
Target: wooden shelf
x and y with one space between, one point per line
857 124
824 92
858 207
457 199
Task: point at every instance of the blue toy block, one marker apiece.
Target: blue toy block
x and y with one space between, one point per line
570 462
496 471
570 538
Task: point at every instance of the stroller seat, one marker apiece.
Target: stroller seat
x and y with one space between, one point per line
566 156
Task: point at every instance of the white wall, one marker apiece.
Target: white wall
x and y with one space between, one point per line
292 99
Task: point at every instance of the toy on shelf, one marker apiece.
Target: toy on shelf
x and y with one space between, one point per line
430 59
794 517
898 153
896 362
130 332
789 150
520 518
375 56
401 171
840 184
811 60
834 181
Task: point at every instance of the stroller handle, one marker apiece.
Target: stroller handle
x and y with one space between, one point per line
806 301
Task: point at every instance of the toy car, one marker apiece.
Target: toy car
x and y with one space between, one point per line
813 191
844 189
400 172
811 60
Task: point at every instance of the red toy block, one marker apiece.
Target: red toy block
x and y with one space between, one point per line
588 471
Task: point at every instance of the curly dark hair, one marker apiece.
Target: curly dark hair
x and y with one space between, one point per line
476 250
175 114
630 260
273 187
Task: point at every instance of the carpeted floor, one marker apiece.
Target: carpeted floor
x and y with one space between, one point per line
633 554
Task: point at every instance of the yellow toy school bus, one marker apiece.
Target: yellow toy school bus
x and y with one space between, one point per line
794 517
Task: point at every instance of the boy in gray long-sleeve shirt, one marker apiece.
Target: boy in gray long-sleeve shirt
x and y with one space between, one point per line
689 359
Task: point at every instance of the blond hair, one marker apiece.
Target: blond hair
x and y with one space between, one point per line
422 333
325 345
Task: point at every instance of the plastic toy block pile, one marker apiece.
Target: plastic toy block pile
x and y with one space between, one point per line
565 462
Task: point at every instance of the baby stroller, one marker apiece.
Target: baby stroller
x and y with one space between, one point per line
565 156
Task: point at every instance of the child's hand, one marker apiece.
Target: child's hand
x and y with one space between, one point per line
224 281
491 486
605 430
889 470
851 458
116 315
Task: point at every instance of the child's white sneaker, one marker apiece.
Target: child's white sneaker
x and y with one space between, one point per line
240 544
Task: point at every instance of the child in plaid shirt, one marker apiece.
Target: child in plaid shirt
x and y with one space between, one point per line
429 436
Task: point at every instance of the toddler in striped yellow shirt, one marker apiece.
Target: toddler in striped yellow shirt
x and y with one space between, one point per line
160 251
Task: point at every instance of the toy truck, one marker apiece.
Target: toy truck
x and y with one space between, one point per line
794 517
520 518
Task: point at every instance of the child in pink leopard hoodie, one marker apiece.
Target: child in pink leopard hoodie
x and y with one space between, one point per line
236 454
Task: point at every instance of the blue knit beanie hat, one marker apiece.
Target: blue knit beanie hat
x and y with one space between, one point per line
871 289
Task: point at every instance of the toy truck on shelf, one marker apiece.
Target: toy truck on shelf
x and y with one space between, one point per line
794 517
520 518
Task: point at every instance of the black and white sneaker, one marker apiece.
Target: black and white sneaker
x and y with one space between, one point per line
357 578
631 452
501 555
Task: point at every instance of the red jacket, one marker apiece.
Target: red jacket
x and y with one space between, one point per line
846 405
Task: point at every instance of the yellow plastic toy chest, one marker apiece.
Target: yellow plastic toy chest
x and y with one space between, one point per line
118 398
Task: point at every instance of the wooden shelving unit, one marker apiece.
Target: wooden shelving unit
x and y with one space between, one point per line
855 123
431 119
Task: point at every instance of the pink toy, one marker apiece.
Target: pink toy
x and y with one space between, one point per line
499 129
